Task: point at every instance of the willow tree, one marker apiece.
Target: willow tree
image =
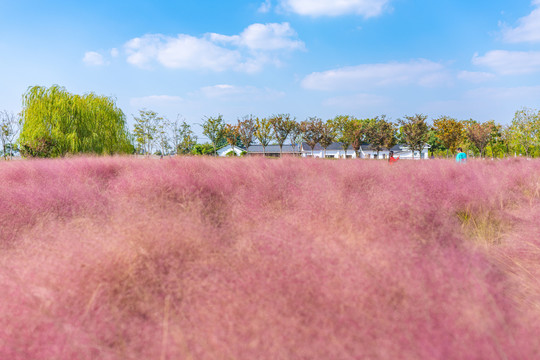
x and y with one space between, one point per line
56 122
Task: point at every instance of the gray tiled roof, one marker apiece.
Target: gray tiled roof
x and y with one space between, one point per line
272 149
333 146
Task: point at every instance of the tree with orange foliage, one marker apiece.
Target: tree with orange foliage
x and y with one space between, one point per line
231 134
449 131
480 135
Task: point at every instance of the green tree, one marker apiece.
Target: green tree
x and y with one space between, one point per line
327 136
295 135
214 129
9 129
414 132
70 123
358 134
495 136
506 138
525 130
434 142
263 132
343 128
164 137
203 149
311 131
381 134
185 138
147 128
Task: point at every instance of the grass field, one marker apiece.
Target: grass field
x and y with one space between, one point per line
201 258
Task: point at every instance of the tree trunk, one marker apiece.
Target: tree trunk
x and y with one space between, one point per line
280 150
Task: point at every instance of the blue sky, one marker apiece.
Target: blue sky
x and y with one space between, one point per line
464 59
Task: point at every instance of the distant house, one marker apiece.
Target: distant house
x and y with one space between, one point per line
273 150
226 150
335 150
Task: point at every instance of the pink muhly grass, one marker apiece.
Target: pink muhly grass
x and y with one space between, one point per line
118 258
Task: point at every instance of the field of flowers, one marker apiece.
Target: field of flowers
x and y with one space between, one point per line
200 258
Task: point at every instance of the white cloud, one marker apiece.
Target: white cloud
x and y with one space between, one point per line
475 76
155 100
227 92
263 37
417 72
92 58
220 90
257 45
366 8
510 62
114 52
528 29
183 51
265 6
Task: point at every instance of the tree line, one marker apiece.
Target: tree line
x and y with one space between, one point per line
443 134
54 123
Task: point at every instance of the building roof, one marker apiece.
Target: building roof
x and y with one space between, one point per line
333 146
364 147
273 149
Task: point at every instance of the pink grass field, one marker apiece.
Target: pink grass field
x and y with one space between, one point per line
201 258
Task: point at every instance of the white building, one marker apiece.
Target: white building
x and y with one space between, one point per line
226 150
335 150
257 150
